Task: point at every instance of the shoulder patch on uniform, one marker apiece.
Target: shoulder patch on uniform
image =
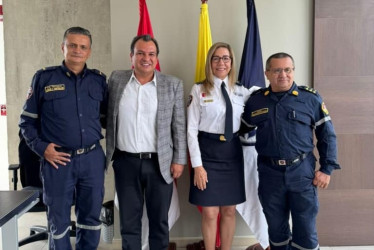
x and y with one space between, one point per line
324 109
258 91
239 83
29 93
309 89
189 100
98 72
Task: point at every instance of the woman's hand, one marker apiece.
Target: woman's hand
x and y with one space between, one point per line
200 178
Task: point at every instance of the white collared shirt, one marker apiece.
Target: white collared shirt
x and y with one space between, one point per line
136 123
207 113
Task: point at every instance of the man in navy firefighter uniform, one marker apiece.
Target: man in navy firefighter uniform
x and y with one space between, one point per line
286 116
61 123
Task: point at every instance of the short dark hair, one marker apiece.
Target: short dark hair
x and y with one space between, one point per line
278 56
145 38
77 30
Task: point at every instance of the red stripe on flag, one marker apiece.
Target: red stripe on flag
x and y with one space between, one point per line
145 26
1 13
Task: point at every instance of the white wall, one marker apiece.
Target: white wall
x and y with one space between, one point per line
4 173
285 25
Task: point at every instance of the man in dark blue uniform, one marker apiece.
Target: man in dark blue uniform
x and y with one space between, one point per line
286 115
61 123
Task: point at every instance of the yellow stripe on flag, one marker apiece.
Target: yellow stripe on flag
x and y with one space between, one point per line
204 43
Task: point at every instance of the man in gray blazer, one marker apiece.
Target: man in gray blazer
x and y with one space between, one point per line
146 139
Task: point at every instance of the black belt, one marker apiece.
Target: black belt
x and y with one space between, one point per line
79 151
145 155
283 162
248 143
219 137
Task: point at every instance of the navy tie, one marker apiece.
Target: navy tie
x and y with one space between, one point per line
228 120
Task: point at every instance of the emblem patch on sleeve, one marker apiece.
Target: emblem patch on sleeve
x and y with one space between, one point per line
29 93
324 109
189 101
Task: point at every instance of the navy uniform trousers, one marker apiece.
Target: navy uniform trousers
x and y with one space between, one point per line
82 178
289 189
135 180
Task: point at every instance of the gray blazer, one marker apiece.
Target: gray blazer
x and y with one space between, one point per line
171 119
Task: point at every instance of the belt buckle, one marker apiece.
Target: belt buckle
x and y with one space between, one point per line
222 138
281 162
80 151
145 155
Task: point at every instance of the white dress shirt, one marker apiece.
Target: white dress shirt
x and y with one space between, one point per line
207 113
136 127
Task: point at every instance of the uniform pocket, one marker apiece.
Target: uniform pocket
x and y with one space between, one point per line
55 102
96 95
300 124
300 117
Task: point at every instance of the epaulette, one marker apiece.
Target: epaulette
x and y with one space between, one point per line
258 91
47 69
198 83
239 83
98 72
309 89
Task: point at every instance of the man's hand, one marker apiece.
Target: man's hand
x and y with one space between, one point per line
321 180
200 178
54 157
176 170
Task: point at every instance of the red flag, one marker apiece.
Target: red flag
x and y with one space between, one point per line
145 26
1 13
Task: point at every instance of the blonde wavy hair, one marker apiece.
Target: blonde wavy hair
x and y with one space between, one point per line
208 82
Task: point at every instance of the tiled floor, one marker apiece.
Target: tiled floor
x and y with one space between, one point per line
29 219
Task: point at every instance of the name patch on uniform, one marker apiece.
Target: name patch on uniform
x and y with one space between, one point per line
57 87
259 112
208 100
238 94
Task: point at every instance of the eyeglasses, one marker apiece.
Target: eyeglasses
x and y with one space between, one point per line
279 71
225 59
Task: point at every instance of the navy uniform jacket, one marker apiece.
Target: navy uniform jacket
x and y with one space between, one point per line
64 109
285 125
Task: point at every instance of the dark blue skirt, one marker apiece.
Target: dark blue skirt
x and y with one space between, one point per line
224 164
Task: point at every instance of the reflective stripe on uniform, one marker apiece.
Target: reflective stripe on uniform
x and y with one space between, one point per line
59 236
25 113
98 227
323 120
278 244
248 125
302 248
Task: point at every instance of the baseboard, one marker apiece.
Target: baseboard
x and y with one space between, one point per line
238 241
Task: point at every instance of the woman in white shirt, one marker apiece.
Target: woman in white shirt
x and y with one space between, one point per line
217 179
